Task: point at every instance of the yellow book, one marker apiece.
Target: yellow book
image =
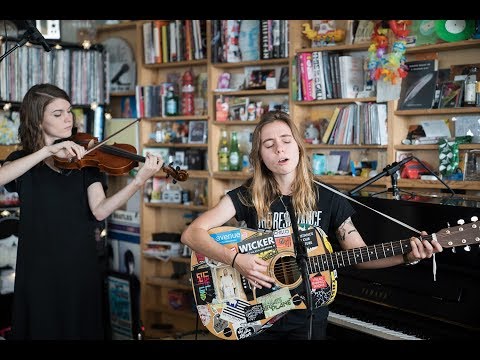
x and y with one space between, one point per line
328 131
165 44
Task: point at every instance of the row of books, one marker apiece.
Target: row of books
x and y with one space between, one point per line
175 40
249 40
324 75
362 123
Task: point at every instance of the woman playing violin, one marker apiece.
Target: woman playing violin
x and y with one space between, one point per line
282 178
57 286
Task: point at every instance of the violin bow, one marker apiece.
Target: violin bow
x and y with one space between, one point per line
368 207
111 136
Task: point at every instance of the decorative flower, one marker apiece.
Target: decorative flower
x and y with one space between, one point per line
383 65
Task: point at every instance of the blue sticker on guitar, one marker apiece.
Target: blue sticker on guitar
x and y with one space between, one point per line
227 237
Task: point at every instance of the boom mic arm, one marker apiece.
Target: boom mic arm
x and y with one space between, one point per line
388 170
33 35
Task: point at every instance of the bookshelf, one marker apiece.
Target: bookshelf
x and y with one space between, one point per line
158 282
156 275
448 54
398 121
304 112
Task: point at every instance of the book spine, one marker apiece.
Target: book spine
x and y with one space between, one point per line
264 40
319 83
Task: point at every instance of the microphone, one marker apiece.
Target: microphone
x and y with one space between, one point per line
388 170
32 34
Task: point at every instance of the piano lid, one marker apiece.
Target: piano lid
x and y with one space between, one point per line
453 297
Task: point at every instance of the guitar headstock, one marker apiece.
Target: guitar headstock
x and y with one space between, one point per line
175 173
463 234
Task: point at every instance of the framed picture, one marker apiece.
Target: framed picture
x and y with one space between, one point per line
122 69
238 108
50 29
197 132
451 94
258 78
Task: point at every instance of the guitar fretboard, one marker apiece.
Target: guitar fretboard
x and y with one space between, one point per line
346 258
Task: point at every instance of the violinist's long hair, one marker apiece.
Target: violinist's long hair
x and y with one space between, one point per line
32 110
264 188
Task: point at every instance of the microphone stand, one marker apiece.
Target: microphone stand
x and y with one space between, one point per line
395 189
301 257
388 170
17 45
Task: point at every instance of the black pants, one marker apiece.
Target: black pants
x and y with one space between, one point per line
295 326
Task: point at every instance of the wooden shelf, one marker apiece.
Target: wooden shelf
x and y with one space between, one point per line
175 145
116 27
252 92
122 93
236 122
167 282
177 259
332 147
445 111
198 174
435 147
176 118
231 175
176 64
448 46
334 101
435 184
251 63
351 47
198 208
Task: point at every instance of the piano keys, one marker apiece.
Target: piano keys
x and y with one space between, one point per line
365 327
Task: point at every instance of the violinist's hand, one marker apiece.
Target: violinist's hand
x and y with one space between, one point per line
152 165
423 249
67 149
254 269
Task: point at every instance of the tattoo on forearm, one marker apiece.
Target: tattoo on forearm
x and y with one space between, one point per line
342 231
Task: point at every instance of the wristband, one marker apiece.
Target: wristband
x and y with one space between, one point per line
233 261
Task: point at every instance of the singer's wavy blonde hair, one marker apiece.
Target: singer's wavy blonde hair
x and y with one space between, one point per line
263 186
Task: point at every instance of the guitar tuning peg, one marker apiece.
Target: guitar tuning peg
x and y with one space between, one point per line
461 222
467 248
474 218
453 250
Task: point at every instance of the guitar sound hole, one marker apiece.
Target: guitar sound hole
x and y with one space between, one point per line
286 270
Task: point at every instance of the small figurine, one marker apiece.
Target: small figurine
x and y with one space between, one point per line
324 33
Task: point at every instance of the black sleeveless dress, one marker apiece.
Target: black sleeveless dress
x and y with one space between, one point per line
58 292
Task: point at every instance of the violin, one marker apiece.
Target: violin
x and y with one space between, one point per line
116 159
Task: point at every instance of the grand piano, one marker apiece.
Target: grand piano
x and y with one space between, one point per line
404 302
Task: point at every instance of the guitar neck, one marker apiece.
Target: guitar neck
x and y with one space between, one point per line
340 259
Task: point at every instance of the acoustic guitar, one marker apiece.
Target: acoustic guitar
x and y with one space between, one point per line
232 309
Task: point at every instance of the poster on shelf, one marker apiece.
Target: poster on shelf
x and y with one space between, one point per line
124 227
120 306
